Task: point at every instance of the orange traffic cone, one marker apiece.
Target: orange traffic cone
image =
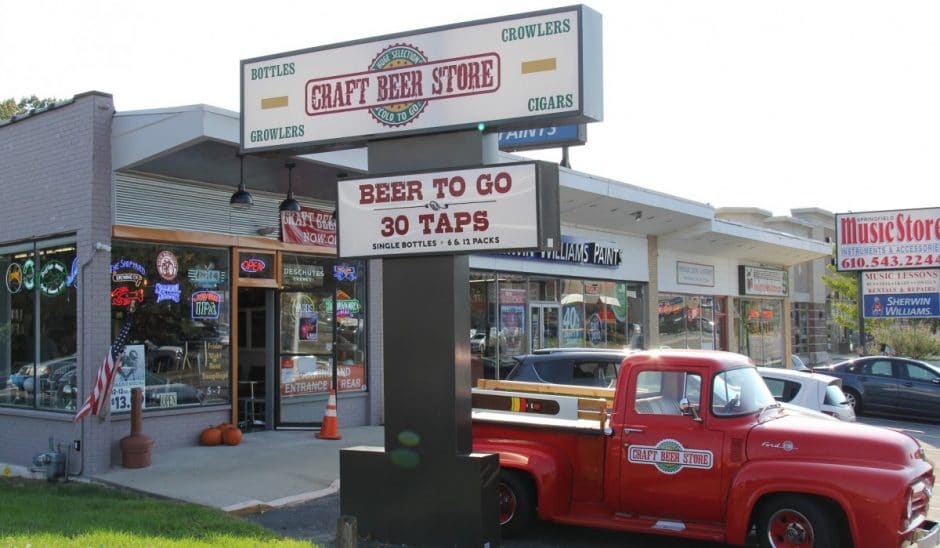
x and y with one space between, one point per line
330 430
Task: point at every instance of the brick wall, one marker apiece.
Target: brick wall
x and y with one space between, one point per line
55 178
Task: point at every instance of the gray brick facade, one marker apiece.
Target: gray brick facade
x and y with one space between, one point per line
55 177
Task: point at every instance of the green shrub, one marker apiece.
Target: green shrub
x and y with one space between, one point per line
917 341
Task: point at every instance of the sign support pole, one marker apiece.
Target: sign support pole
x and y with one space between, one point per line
425 487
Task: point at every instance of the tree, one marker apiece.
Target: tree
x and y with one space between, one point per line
10 108
911 338
844 287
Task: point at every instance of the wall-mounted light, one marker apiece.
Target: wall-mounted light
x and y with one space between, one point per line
241 199
289 203
637 216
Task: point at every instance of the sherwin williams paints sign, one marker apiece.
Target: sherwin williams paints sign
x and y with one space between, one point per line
498 207
885 240
540 68
901 293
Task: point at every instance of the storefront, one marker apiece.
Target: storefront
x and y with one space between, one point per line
726 287
234 321
575 297
200 336
760 318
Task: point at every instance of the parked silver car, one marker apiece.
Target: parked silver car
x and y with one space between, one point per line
810 390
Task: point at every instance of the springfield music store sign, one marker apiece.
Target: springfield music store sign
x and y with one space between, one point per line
498 207
884 240
504 72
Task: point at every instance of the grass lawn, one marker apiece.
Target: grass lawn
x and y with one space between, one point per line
38 513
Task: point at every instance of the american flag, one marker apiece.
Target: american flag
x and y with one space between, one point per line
100 396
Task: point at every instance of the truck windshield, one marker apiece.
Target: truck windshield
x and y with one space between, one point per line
739 392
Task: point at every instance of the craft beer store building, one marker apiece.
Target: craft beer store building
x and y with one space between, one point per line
137 222
140 223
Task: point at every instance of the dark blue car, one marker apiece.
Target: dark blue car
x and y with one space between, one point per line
890 385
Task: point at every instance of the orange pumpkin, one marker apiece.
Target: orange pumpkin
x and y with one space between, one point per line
231 436
225 426
210 436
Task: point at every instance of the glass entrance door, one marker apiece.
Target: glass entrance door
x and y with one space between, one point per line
305 357
544 332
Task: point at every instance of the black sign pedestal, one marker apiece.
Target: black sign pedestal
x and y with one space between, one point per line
425 487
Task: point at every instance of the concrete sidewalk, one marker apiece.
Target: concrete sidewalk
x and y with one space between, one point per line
267 469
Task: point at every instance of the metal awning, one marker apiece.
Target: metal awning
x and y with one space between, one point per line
200 143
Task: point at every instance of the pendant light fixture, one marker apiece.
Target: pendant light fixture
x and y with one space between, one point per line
241 199
289 203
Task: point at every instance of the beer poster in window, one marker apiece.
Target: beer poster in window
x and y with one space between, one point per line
129 375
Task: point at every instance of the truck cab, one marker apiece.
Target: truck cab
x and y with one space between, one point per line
693 444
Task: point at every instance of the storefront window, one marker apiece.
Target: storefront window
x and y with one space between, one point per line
513 314
759 326
322 325
687 321
39 296
178 347
572 314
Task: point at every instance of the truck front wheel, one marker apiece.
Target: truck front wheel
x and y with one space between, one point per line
515 503
793 521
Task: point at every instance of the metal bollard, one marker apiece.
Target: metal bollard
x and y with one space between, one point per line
346 532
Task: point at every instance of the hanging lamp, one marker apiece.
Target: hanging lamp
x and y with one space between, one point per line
289 203
241 199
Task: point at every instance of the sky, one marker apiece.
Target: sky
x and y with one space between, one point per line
783 104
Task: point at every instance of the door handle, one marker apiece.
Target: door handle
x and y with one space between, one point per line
628 430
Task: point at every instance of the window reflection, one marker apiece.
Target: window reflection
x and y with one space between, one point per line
44 273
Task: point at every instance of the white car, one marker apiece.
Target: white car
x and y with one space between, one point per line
478 342
810 390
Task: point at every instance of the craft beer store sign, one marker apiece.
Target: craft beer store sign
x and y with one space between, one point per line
529 70
498 207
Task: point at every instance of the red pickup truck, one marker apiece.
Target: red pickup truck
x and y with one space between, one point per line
692 444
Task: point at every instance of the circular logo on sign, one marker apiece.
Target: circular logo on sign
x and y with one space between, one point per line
52 278
29 274
397 87
167 265
14 278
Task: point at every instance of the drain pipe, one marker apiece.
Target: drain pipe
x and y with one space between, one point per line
99 246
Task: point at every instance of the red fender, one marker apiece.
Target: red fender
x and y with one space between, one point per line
550 470
867 496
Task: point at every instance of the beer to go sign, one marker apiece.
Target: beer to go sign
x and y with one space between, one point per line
491 208
534 69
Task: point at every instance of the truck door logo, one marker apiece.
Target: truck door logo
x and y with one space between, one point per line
669 456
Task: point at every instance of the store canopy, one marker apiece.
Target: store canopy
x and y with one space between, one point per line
746 243
201 143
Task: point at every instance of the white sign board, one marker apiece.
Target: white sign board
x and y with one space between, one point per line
884 240
901 293
695 274
765 282
449 212
525 70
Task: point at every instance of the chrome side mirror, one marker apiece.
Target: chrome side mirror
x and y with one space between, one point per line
689 410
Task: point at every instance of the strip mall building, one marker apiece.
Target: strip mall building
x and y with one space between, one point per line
236 321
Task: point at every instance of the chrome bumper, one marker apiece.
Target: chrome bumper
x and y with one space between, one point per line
927 535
